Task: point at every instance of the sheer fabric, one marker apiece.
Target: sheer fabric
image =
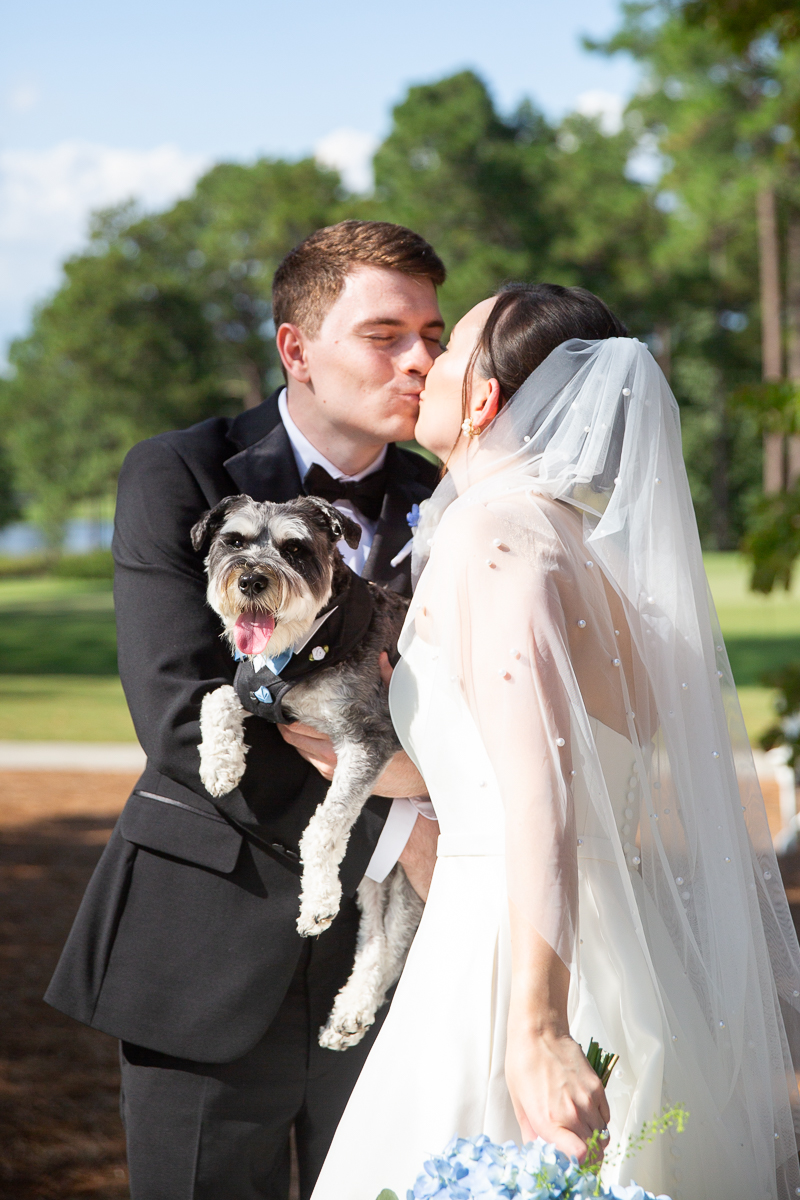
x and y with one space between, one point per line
562 584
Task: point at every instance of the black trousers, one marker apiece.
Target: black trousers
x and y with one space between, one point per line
207 1131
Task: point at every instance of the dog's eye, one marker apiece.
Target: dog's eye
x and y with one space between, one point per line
235 541
292 548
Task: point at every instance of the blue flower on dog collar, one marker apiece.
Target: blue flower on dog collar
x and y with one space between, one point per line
263 695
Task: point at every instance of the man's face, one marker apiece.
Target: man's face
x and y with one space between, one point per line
367 364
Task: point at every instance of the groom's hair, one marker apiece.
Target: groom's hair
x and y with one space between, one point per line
311 277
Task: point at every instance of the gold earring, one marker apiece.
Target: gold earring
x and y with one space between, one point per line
469 428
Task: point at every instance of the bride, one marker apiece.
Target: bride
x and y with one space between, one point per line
604 867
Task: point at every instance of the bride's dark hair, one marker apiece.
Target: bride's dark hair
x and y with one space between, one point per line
526 324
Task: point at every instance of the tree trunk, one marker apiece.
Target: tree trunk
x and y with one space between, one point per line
793 326
771 365
793 296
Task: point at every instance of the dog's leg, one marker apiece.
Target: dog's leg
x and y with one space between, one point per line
222 748
323 845
355 1006
404 910
391 912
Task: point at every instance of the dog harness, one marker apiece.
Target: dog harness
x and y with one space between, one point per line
262 683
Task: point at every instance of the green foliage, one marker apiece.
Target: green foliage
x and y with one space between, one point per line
161 322
165 319
601 1061
773 540
786 732
9 501
469 181
387 1195
709 112
740 21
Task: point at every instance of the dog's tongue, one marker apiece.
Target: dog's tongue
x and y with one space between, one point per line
252 631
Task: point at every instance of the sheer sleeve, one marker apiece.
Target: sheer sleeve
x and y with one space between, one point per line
492 600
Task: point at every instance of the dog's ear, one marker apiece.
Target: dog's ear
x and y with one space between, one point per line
213 520
341 526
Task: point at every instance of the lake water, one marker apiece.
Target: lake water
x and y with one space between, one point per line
83 535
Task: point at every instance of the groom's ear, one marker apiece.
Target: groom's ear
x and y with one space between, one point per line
291 343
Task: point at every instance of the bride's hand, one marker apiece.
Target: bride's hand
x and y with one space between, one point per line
556 1094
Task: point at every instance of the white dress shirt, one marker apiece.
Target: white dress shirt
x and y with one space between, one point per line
404 811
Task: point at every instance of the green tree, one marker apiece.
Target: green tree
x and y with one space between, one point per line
163 320
701 106
471 182
740 21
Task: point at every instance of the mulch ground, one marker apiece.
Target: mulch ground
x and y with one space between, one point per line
60 1132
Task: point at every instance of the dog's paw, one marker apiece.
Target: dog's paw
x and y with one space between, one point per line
217 779
313 921
342 1032
320 900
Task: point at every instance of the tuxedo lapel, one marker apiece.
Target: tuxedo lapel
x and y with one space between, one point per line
404 487
265 469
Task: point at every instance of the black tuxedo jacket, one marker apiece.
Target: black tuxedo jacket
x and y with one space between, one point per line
185 941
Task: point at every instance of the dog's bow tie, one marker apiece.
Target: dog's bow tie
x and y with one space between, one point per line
366 495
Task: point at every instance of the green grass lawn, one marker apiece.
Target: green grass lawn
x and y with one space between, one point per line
58 663
58 666
64 708
57 627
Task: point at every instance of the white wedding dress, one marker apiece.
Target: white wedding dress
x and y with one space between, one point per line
437 1066
565 693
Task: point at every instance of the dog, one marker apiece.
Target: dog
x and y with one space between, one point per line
308 634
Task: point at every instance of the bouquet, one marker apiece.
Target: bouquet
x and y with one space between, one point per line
478 1169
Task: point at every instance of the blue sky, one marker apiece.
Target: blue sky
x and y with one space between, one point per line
102 100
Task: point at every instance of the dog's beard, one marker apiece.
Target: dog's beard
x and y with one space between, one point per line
287 600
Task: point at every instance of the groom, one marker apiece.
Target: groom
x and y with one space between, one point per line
185 945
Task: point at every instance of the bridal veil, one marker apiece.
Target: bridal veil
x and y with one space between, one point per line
561 579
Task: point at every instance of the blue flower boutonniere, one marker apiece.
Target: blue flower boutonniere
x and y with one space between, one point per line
413 516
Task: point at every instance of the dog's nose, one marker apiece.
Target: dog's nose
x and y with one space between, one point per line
251 584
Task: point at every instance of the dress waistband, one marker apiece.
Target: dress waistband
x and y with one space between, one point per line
471 843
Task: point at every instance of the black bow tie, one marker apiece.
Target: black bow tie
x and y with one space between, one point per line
366 495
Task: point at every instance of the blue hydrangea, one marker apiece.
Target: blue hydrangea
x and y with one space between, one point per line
478 1169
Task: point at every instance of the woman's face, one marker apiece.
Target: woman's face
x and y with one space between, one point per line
439 422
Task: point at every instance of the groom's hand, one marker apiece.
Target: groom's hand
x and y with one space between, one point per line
400 777
311 745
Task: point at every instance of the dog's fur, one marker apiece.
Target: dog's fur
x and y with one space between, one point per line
291 550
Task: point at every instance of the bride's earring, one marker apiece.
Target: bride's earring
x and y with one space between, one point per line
469 428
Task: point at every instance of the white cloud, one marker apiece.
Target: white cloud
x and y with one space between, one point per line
349 151
23 97
46 197
606 105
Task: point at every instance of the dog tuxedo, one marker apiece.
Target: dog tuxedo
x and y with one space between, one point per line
262 683
277 579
